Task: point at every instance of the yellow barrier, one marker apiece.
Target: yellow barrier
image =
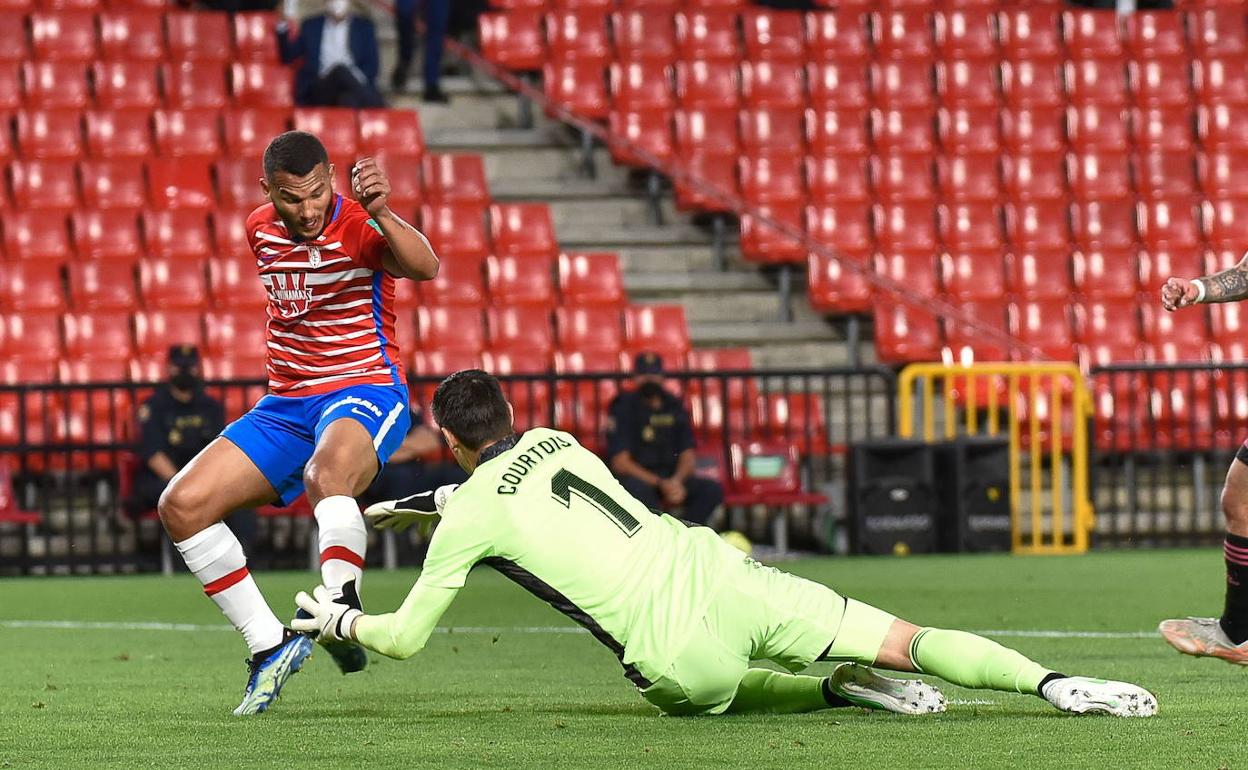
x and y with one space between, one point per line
1052 400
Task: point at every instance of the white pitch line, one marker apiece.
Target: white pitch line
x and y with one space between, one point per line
82 625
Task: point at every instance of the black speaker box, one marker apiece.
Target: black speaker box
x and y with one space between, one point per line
893 506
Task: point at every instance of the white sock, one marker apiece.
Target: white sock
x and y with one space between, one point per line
216 557
343 541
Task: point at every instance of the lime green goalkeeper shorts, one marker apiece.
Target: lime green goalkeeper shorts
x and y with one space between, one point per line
762 613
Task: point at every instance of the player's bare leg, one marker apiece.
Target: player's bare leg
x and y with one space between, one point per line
972 661
342 466
217 481
1225 637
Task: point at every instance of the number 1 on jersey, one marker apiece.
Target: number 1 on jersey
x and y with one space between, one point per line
565 482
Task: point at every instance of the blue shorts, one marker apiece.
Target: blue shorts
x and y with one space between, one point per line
280 432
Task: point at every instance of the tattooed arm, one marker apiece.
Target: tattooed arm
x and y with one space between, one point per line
1230 285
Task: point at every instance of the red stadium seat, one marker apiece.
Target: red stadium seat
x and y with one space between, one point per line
451 328
966 344
763 243
577 86
1094 81
1032 83
520 280
1040 225
837 84
177 233
31 285
520 328
1161 263
642 36
455 179
648 130
773 35
710 34
1034 177
1169 222
578 36
971 226
523 229
1228 320
1222 126
513 40
125 85
456 230
180 183
716 173
32 339
96 285
98 334
660 329
1188 330
170 284
1218 32
261 84
334 126
708 84
1220 81
838 37
44 184
1106 274
905 131
904 334
109 235
248 131
13 47
1099 175
902 34
590 278
237 332
973 275
902 84
1222 173
55 85
1160 82
834 286
1225 224
113 184
1097 127
10 95
1091 34
641 85
229 235
969 177
837 132
1031 33
198 36
195 84
906 227
67 35
837 179
1153 35
155 331
967 35
1039 274
1162 128
393 133
459 282
903 177
775 178
773 85
1164 174
845 228
800 419
255 36
968 83
1045 325
233 284
238 184
1108 225
1033 130
187 133
590 329
916 270
49 134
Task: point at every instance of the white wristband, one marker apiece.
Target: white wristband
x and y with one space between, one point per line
1200 291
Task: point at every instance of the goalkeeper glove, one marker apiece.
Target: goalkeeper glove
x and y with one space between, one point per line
422 509
330 620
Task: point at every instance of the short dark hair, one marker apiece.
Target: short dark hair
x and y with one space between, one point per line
471 405
294 152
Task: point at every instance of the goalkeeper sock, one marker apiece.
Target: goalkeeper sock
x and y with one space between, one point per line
771 692
973 661
342 541
216 557
1235 617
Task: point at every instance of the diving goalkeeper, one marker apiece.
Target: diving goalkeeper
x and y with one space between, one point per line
684 612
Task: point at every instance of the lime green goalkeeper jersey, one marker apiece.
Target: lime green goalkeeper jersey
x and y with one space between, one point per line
547 513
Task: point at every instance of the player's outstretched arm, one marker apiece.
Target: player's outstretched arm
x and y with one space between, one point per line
1230 285
410 254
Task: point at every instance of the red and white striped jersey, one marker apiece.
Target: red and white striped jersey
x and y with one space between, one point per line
331 304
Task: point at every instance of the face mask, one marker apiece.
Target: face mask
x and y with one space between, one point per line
650 390
184 380
338 7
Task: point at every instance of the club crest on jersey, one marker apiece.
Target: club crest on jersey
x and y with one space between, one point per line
290 294
314 256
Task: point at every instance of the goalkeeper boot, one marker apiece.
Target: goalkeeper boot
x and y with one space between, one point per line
1203 637
863 687
269 670
349 656
1081 695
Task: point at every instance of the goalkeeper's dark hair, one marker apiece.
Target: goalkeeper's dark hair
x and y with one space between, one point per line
471 405
294 152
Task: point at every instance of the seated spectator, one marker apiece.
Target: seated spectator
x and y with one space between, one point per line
650 446
175 423
407 473
338 58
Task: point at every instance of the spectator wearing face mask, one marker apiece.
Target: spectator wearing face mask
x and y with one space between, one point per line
175 423
338 58
650 447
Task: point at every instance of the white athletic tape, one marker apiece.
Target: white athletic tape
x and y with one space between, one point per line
81 625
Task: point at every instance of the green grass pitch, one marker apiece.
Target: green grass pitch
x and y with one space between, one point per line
523 694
